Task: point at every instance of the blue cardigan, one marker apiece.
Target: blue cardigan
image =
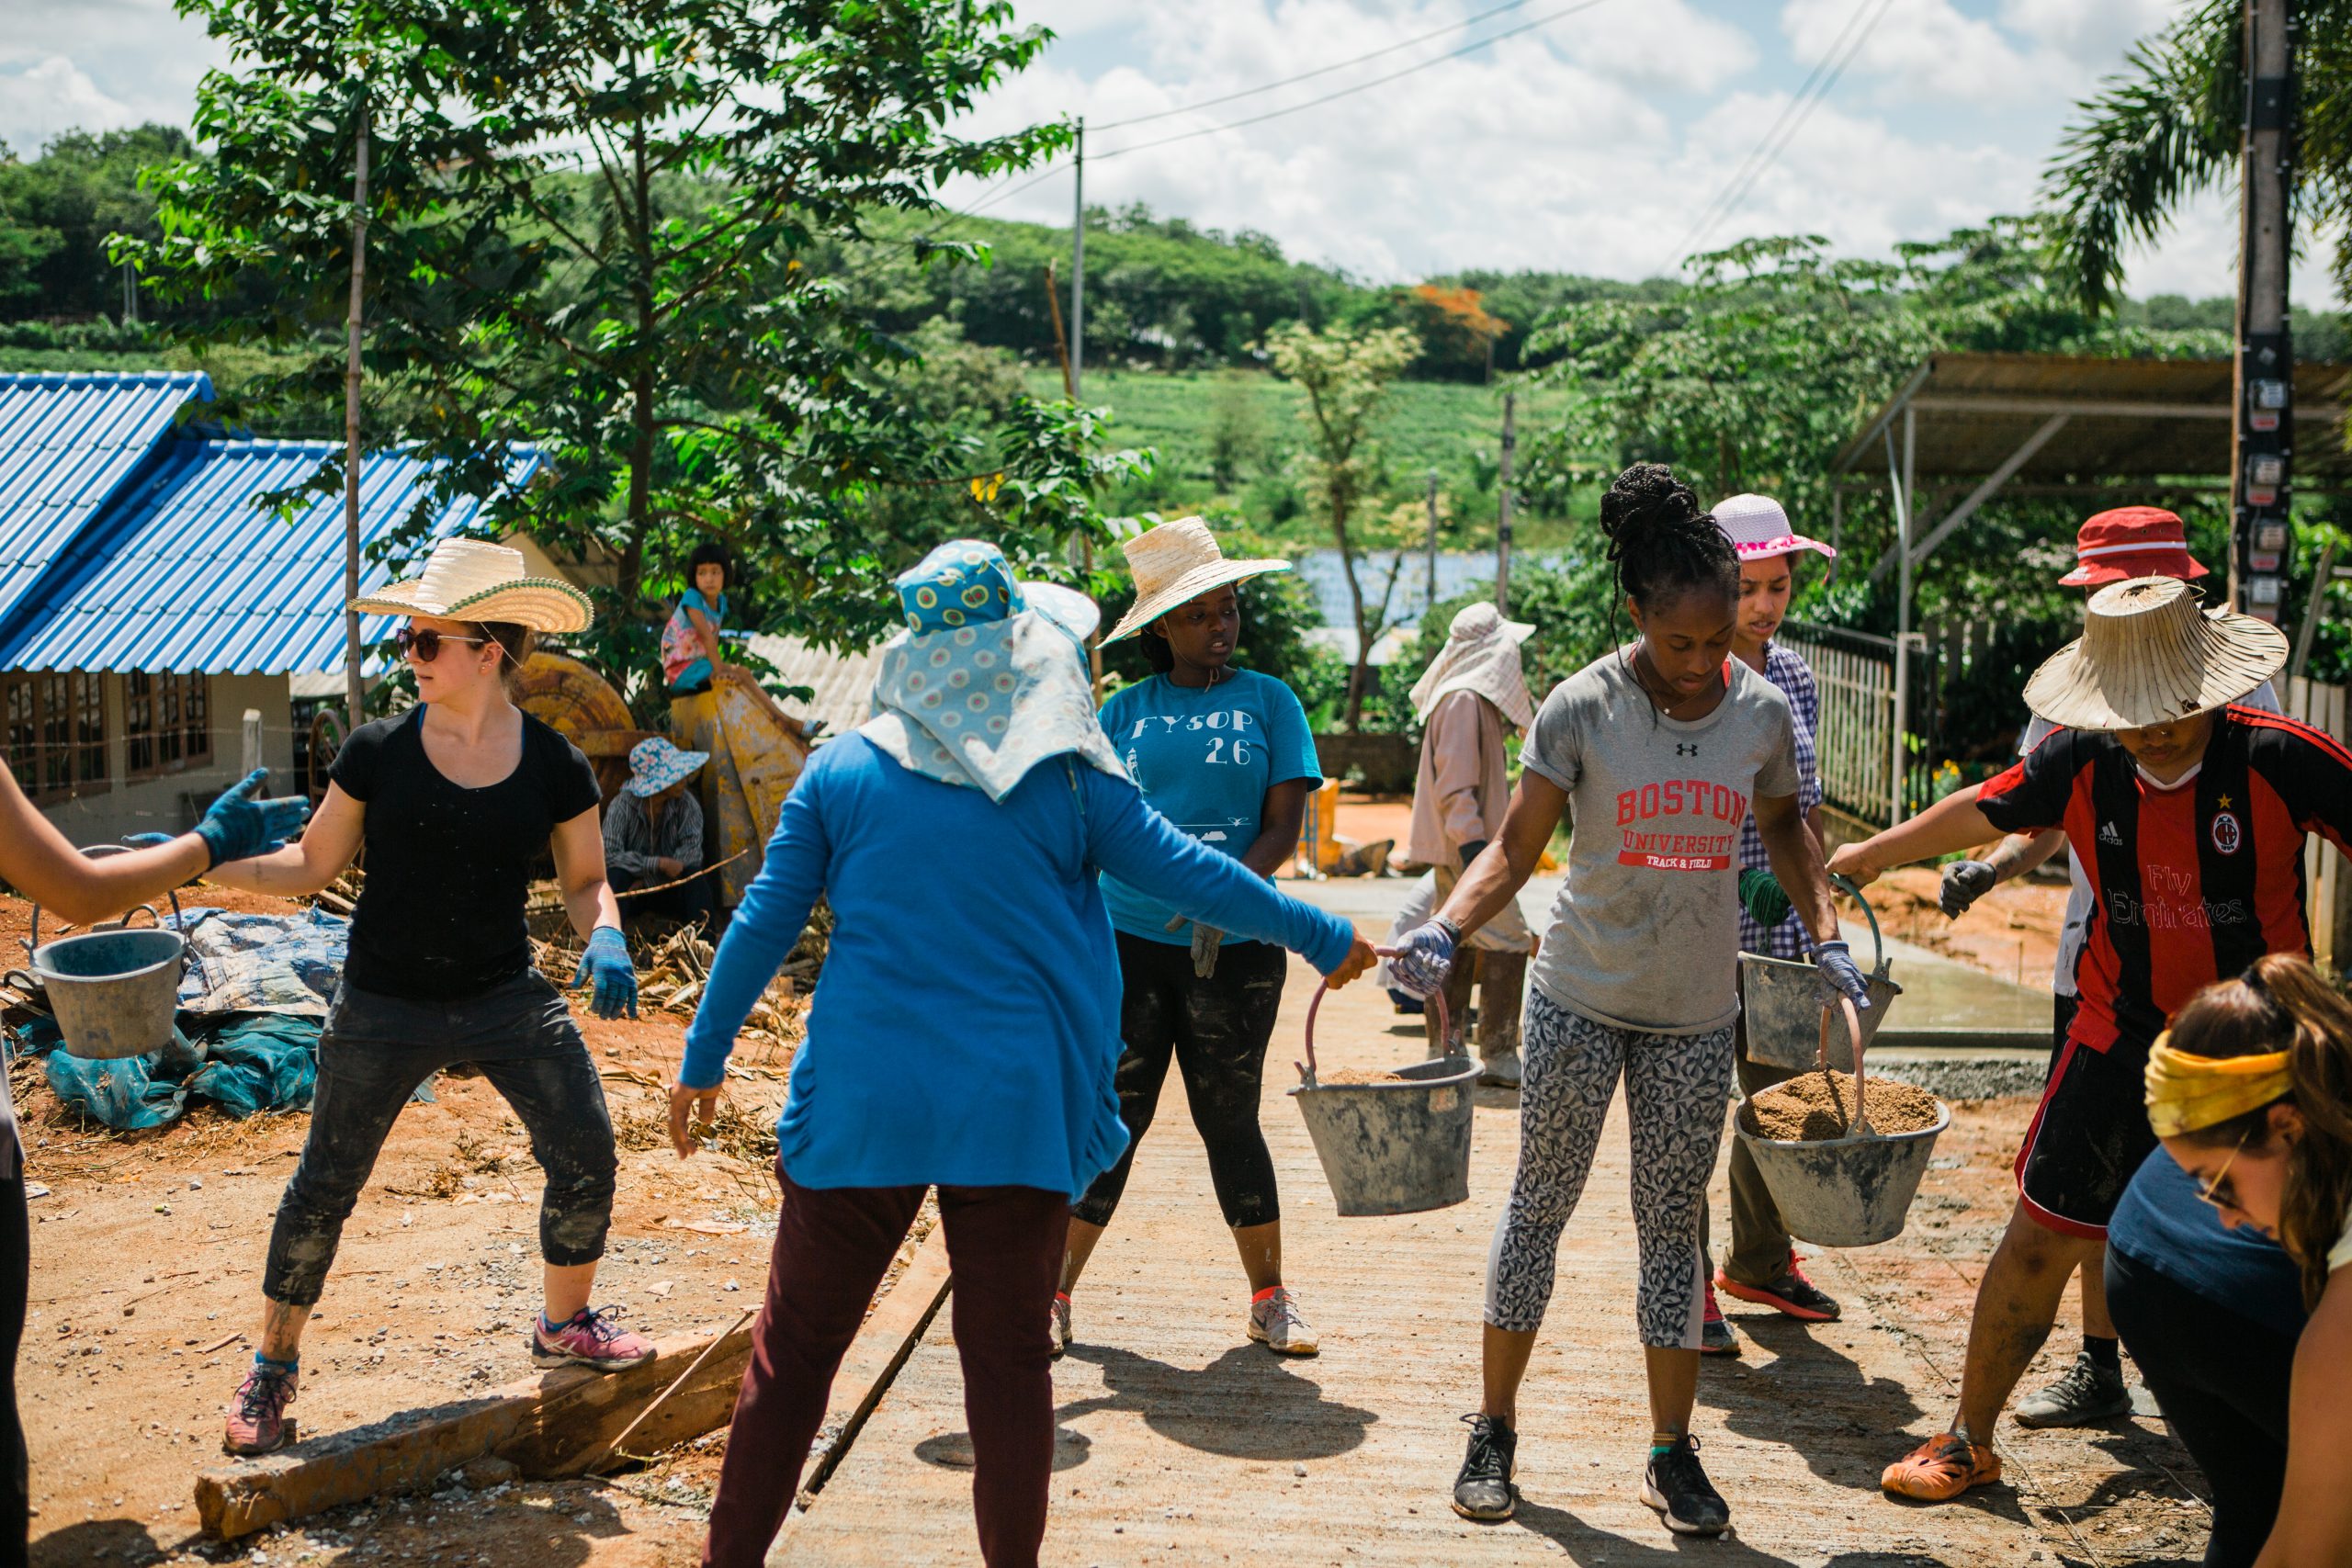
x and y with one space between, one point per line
966 1023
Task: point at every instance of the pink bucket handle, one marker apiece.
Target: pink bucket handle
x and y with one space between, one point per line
1445 1025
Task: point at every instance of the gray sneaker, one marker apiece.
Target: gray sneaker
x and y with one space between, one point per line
1501 1072
2085 1395
1275 1323
1482 1490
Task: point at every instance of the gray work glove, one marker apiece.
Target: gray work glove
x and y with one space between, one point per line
1839 973
1205 945
1965 881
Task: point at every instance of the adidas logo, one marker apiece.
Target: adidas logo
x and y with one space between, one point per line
2107 835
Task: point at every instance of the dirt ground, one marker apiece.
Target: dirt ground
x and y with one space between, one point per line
148 1250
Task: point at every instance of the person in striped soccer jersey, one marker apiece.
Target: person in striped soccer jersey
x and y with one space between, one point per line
2189 814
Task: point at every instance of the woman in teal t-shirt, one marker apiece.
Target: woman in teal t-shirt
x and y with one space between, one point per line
1226 756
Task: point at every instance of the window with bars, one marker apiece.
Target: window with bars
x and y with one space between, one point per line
56 732
166 723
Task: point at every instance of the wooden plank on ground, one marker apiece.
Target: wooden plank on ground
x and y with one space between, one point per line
550 1425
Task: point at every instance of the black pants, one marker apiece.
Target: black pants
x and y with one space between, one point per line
1217 1030
376 1049
16 1273
2222 1380
687 901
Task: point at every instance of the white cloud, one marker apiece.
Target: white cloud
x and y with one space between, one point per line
42 94
1929 48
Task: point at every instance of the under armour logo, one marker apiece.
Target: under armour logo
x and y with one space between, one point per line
1686 748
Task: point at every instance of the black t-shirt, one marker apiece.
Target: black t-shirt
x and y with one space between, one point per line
441 916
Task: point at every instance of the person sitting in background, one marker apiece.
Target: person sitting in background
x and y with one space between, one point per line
2250 1091
690 655
653 837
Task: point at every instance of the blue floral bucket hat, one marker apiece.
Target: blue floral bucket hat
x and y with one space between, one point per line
654 765
989 677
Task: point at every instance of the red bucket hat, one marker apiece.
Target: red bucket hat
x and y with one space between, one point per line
2131 541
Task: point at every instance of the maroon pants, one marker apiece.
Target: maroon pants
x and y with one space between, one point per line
1004 1251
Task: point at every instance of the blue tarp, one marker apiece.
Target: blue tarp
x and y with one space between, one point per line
252 1062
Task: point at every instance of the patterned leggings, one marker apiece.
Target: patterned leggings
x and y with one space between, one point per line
1676 1087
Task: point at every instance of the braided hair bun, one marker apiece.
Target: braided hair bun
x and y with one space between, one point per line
1660 543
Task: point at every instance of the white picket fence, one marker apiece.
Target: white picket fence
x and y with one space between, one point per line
1856 742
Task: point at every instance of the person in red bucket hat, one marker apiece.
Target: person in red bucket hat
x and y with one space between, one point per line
2128 542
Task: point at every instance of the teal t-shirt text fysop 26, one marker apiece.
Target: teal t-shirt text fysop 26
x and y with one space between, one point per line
1204 758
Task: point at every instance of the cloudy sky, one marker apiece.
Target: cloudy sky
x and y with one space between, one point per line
1592 142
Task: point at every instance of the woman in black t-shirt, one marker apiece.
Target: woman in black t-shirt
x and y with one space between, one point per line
453 801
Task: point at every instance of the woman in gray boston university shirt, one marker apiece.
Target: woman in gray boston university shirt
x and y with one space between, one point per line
1657 752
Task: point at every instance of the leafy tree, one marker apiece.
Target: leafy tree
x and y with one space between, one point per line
1345 375
57 211
590 230
2167 129
1455 328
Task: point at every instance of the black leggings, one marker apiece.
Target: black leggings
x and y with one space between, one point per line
2221 1380
15 1270
1216 1029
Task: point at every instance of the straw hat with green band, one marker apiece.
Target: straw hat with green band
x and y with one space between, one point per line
470 579
2149 656
1175 563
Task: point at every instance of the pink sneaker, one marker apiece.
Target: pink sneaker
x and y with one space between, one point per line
1715 1335
257 1420
588 1338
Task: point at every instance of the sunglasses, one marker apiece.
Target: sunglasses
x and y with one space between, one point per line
424 646
2213 1191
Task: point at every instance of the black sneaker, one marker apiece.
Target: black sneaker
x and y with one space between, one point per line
1676 1487
1483 1490
2083 1394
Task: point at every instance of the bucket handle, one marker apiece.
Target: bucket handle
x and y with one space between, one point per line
1306 1068
1858 1125
100 852
1878 939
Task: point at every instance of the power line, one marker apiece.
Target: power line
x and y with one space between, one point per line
1318 71
1544 20
1775 139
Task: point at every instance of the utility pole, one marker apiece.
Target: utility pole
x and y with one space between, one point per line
354 656
1077 271
1502 524
1432 602
2263 433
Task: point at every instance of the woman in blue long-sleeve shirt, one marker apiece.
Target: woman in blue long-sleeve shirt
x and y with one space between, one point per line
966 1025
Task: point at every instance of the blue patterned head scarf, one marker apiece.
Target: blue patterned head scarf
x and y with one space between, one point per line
988 679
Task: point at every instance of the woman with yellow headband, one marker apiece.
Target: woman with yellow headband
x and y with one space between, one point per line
2251 1092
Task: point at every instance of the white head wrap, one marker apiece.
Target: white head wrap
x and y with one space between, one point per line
1481 655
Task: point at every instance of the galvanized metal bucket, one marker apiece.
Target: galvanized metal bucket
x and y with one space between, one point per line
1397 1147
113 989
1782 1002
1849 1192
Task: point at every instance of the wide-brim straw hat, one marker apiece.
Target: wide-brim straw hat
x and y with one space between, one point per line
2148 656
1175 563
470 579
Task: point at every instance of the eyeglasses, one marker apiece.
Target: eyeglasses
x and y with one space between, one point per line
2212 1192
424 646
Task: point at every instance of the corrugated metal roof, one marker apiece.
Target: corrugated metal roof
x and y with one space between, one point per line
843 683
68 443
183 573
2126 418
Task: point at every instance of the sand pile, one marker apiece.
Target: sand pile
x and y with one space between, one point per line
1817 1106
1358 1075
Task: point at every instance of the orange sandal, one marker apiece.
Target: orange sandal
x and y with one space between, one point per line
1941 1469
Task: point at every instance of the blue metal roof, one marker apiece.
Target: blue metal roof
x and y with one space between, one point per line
68 444
182 572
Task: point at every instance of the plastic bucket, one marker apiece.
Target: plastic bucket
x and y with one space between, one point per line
1394 1147
1780 1003
1851 1191
113 990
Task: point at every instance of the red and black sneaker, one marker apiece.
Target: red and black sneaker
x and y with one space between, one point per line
1790 1292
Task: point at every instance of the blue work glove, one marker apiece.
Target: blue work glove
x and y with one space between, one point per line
239 827
1472 851
608 963
1761 895
1965 881
1837 968
1424 958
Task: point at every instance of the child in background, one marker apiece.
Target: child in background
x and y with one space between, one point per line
690 658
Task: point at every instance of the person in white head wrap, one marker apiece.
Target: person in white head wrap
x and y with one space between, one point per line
1468 699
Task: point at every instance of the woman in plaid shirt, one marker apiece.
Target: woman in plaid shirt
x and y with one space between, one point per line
1762 1264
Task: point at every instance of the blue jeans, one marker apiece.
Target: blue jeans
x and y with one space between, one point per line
376 1049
